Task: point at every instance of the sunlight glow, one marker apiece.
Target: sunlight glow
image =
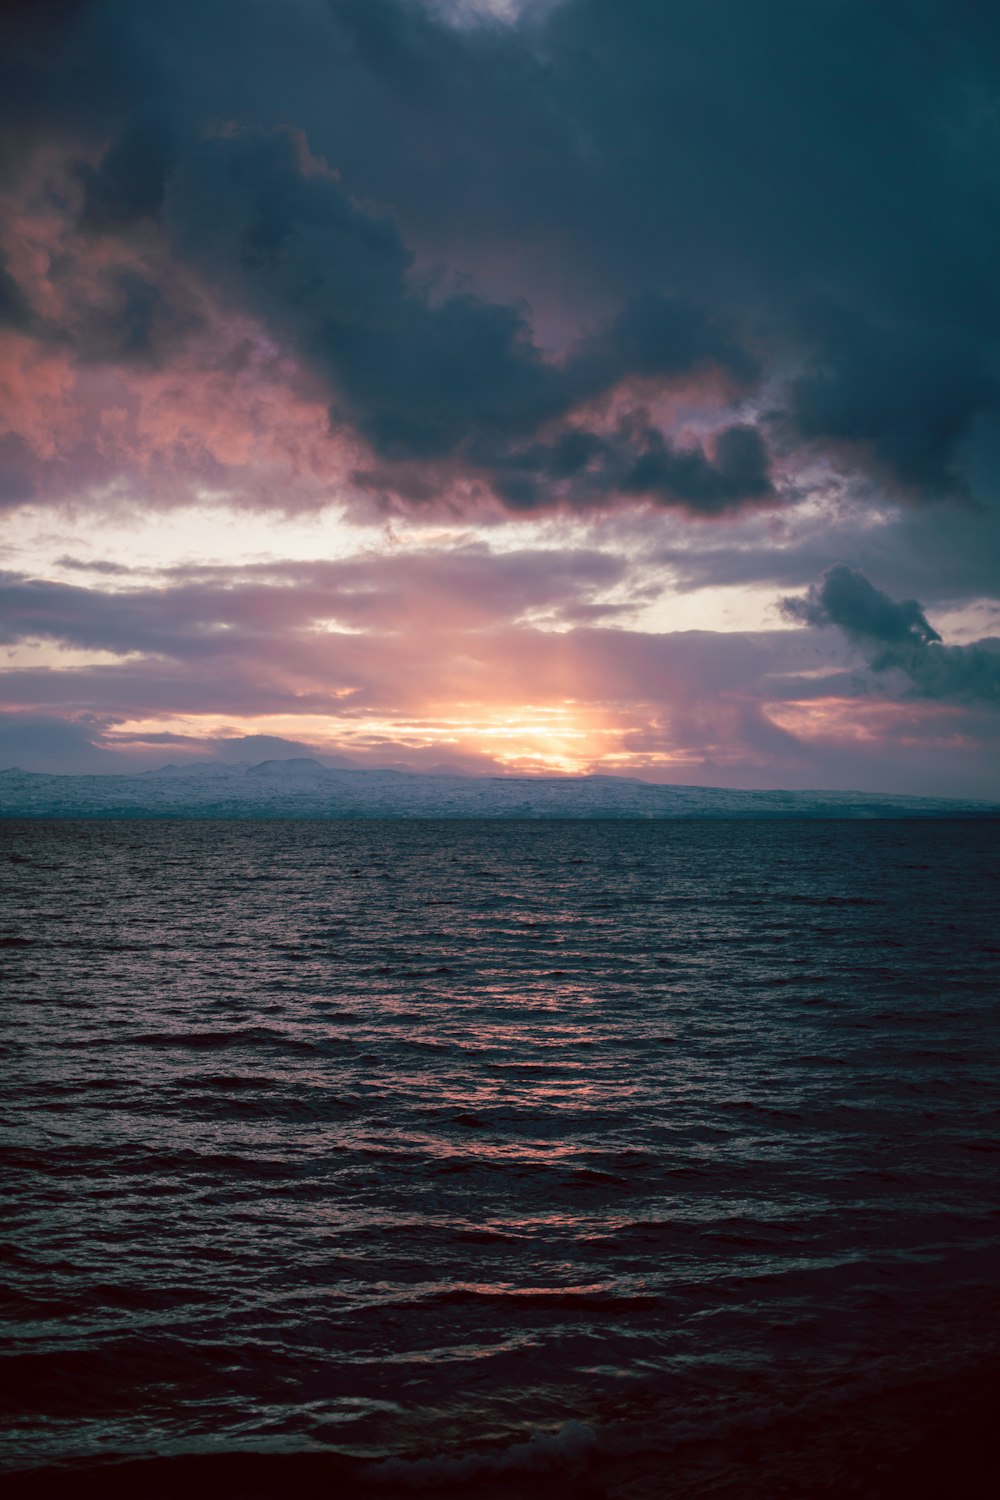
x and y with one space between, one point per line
563 738
553 737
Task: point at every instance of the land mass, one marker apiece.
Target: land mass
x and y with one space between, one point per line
304 788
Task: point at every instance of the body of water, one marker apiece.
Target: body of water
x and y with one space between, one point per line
484 1155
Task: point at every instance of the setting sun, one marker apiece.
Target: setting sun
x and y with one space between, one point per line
563 738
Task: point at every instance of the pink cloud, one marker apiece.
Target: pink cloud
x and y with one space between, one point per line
411 657
128 378
176 370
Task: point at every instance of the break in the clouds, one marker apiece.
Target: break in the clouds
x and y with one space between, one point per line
551 316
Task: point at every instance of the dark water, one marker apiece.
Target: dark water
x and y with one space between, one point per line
496 1149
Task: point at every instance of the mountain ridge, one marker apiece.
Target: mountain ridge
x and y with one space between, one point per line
302 787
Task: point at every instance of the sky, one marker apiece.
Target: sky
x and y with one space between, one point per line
503 386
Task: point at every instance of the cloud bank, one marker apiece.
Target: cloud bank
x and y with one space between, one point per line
710 202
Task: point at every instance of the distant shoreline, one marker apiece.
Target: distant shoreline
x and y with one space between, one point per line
131 816
304 789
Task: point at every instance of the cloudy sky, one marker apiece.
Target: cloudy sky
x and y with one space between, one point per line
532 385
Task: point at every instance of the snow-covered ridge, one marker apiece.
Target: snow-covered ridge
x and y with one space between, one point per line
303 788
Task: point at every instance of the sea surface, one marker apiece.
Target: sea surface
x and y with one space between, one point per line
622 1158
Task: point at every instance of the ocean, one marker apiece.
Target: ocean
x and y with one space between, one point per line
586 1158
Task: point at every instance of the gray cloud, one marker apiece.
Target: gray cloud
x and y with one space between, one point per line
814 183
98 565
14 309
906 396
197 615
59 745
897 636
53 743
455 378
846 598
582 468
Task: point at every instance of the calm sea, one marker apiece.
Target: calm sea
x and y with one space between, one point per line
489 1154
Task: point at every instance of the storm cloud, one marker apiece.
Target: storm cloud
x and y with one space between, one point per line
759 190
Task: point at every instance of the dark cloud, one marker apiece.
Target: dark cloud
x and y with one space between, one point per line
582 468
739 472
906 396
457 377
14 309
814 183
896 636
846 598
414 377
658 337
47 742
98 565
128 184
130 322
64 76
58 745
420 376
36 28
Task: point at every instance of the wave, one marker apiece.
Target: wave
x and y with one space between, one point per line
237 1036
